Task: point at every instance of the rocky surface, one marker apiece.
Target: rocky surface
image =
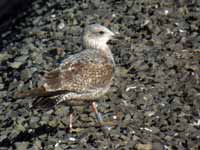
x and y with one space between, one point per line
155 98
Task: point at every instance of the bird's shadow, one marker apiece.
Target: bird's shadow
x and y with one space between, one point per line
43 104
27 135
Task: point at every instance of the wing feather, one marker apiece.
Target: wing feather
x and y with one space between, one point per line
80 73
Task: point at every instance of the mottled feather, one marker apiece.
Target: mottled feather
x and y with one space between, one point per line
84 76
84 71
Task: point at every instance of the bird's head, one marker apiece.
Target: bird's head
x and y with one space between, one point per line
96 36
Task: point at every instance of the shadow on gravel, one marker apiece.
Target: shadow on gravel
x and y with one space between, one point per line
27 135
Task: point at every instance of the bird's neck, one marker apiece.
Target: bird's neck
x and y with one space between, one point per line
100 46
93 43
103 49
106 51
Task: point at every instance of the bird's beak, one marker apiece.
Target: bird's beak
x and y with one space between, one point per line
117 36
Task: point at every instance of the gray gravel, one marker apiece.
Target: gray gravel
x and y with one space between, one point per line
155 97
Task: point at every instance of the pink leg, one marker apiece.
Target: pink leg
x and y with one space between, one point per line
70 122
98 115
70 128
104 125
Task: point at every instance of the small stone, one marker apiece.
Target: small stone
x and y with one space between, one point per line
26 74
59 35
95 3
35 119
16 65
37 145
24 51
20 127
38 59
2 137
44 119
1 86
4 56
157 146
34 122
155 130
3 94
129 3
53 123
61 25
21 58
84 5
144 146
61 133
13 85
21 145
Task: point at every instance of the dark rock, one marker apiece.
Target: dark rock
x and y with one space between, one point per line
1 86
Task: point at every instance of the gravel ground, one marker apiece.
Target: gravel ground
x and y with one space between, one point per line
155 97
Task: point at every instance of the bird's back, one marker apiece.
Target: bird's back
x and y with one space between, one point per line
84 71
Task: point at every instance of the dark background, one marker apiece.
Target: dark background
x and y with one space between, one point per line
10 10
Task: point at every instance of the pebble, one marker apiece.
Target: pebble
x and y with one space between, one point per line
4 56
21 58
1 86
16 65
144 146
21 145
26 74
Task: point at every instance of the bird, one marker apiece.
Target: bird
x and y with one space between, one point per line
81 77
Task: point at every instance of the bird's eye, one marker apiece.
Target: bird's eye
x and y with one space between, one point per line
101 32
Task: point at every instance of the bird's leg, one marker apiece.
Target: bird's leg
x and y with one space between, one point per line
70 119
98 115
100 118
80 99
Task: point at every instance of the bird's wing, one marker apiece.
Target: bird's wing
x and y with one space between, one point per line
80 72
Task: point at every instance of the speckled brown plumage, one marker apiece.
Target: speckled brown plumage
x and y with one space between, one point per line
85 75
87 70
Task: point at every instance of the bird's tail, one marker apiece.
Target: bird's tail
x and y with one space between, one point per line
39 92
34 92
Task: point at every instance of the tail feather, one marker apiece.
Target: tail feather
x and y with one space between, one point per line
44 99
44 103
39 92
35 92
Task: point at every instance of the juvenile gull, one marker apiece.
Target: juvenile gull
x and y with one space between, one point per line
84 76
